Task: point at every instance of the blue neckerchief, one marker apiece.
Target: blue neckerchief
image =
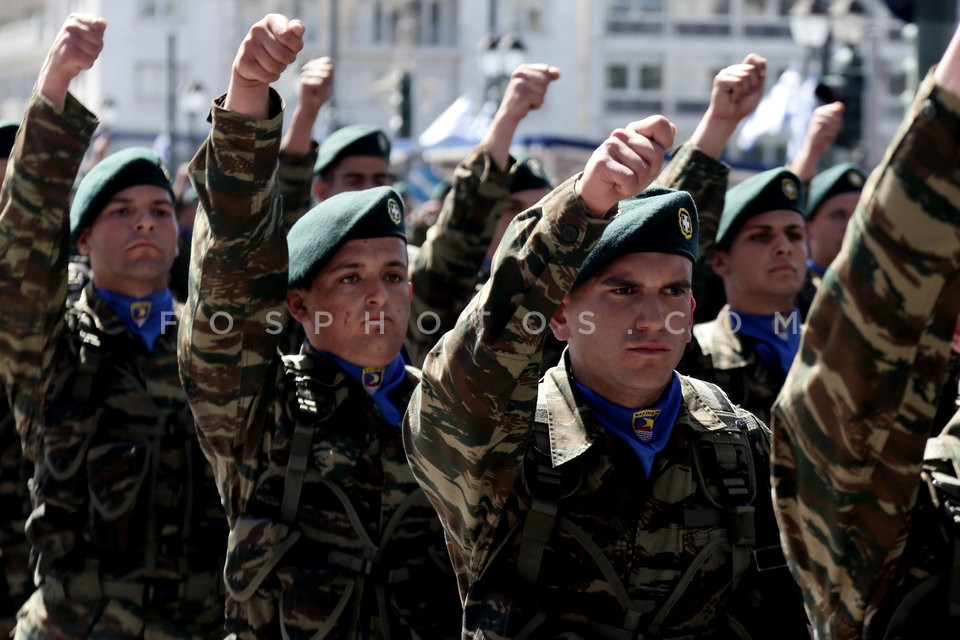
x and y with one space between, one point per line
817 269
143 316
645 430
776 343
379 382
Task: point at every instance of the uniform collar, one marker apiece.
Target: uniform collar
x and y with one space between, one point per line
718 340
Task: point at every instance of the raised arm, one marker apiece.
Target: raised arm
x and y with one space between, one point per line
466 427
444 272
229 333
34 240
825 125
852 420
298 149
696 166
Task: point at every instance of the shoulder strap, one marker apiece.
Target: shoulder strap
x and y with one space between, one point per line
724 467
544 485
91 350
306 418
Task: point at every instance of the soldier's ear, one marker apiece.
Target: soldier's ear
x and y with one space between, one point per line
720 263
83 242
296 305
559 324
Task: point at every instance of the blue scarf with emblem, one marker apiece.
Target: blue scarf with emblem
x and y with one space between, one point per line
647 429
817 269
379 382
146 317
776 342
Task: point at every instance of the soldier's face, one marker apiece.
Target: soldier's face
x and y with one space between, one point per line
354 173
627 327
133 241
358 306
765 266
515 204
826 229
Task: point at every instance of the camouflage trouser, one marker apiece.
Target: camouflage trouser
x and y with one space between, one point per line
46 616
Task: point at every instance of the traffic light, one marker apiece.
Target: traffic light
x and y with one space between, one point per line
845 83
400 121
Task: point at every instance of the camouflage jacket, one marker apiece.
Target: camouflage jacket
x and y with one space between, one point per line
720 355
852 421
295 178
360 554
445 270
16 581
121 490
469 433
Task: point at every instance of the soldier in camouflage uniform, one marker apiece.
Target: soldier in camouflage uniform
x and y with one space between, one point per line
331 536
15 576
352 158
127 528
761 256
870 530
582 504
490 187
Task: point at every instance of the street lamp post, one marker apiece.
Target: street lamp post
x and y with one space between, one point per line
193 101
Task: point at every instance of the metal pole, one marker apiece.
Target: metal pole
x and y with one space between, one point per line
172 98
334 53
492 16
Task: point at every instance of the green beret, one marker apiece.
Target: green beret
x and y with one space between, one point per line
118 171
8 133
314 238
528 173
352 140
842 178
770 190
658 220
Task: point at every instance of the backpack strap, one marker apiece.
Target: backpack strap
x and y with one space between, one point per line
724 467
544 483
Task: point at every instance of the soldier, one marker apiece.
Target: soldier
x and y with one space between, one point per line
584 503
761 256
490 187
331 536
831 199
352 158
866 504
127 528
15 575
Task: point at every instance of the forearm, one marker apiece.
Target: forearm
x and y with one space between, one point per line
852 421
233 313
444 273
295 178
34 237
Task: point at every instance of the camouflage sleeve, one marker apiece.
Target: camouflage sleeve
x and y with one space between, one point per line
295 177
467 426
705 178
238 280
444 273
35 247
852 419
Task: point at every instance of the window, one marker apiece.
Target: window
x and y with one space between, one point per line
651 77
159 8
617 77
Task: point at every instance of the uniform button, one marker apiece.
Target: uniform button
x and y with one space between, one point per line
569 233
927 111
